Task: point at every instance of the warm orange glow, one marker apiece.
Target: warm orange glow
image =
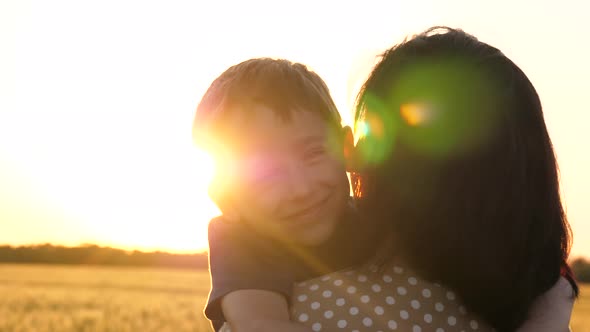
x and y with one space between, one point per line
95 137
131 203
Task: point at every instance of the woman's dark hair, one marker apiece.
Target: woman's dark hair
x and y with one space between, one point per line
457 163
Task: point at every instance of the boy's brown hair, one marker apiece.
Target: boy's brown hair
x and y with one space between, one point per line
278 84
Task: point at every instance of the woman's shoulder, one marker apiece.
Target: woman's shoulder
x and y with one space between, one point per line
390 297
552 310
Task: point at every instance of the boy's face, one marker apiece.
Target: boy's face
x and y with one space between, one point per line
288 177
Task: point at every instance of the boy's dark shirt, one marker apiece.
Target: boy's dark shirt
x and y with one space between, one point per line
241 258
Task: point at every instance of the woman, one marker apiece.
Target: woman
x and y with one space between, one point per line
456 164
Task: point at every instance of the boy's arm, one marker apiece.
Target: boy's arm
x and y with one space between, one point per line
258 310
551 312
239 260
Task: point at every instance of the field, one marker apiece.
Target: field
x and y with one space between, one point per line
92 298
581 315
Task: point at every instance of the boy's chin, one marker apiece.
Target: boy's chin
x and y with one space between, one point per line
310 236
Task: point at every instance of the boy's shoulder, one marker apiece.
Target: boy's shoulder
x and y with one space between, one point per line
226 237
222 228
220 223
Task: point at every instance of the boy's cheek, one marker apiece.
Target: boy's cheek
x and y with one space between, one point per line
260 206
328 173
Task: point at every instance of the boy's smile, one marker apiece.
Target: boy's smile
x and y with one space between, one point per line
290 177
305 212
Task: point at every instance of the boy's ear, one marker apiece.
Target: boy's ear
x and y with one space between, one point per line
348 149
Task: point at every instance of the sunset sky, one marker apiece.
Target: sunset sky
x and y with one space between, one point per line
97 99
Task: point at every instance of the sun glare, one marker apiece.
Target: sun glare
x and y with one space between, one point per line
146 199
179 209
95 118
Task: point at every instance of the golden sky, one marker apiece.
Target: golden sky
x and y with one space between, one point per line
97 99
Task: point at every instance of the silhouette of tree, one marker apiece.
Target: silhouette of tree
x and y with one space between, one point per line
581 268
96 255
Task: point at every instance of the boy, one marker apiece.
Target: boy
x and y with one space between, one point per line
281 185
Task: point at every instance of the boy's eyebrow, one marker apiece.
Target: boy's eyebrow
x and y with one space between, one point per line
307 140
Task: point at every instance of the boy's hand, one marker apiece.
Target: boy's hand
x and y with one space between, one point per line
251 310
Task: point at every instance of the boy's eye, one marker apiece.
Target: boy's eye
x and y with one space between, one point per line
264 174
314 153
260 169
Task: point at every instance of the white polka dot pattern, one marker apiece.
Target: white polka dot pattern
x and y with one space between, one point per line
402 290
452 320
390 298
392 325
329 314
450 295
404 314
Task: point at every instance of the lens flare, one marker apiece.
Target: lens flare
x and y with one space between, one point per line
376 130
362 129
416 114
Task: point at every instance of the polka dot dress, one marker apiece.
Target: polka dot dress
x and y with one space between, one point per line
390 299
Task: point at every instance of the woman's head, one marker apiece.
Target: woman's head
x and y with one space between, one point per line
456 158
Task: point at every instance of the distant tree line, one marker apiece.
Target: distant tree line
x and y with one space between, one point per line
93 254
581 268
96 255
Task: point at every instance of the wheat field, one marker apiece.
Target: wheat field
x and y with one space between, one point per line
96 298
